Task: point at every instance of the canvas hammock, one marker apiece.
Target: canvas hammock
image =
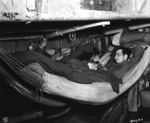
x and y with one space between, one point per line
46 87
95 93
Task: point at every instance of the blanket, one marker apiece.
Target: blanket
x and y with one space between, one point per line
75 70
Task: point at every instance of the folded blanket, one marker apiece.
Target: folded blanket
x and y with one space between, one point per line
75 71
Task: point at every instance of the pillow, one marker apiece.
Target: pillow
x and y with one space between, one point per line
116 39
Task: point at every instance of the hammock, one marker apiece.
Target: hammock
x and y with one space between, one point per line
95 93
10 69
36 86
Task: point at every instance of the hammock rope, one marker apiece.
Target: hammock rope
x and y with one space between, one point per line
12 60
17 66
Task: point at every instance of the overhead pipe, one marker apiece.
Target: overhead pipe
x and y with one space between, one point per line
62 32
131 28
21 37
58 33
77 28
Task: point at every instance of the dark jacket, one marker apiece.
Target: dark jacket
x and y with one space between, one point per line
119 70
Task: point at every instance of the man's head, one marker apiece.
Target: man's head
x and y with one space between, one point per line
122 54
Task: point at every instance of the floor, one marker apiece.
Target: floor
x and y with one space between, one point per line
77 114
145 113
15 108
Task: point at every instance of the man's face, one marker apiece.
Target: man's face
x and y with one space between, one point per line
119 57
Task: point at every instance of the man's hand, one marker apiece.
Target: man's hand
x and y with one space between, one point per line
92 66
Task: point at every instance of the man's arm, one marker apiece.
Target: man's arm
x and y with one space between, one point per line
126 66
43 51
137 52
130 36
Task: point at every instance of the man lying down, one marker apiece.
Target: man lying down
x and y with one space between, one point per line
78 71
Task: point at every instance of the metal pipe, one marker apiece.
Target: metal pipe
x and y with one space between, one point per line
62 32
58 33
21 37
131 28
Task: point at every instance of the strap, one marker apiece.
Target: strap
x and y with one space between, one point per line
30 93
16 66
14 62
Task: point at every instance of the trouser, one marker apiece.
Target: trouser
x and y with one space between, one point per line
133 99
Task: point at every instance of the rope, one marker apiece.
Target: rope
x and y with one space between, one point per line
6 75
12 62
17 66
12 59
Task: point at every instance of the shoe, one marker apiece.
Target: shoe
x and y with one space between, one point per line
135 118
